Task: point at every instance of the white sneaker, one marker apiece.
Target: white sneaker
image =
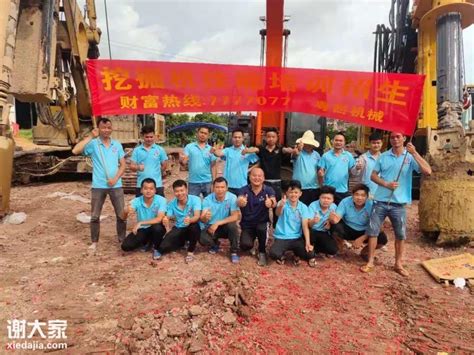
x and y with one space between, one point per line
92 248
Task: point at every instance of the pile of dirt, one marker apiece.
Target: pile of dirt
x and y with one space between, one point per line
215 309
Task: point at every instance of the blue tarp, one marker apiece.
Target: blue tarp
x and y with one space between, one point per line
195 125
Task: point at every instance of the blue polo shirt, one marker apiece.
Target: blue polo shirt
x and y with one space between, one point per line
192 204
144 212
305 169
255 212
356 219
219 209
237 165
370 161
101 155
289 225
199 163
315 208
388 167
337 169
151 159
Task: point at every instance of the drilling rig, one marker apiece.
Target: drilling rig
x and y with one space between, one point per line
428 40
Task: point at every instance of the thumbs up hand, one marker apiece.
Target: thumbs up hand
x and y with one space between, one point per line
268 202
316 218
242 200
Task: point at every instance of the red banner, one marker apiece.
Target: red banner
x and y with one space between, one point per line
382 100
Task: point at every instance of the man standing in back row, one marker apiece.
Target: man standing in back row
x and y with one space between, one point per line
334 168
149 161
237 162
200 161
108 166
270 158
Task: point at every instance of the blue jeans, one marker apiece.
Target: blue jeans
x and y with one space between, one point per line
395 212
197 189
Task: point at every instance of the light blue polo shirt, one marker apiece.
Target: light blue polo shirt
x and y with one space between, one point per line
370 161
305 169
111 157
151 159
237 165
337 169
144 212
192 204
388 167
289 225
199 163
315 208
219 209
356 219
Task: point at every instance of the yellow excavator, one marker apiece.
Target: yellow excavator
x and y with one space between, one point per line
43 48
428 39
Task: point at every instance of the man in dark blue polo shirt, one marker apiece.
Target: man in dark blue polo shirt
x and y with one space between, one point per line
254 201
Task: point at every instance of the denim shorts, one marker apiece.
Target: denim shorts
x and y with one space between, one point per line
197 189
395 212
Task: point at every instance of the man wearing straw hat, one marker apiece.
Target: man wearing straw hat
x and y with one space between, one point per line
108 166
393 174
305 167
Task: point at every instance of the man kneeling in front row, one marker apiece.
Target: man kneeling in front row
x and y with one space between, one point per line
218 219
150 209
351 219
292 230
185 209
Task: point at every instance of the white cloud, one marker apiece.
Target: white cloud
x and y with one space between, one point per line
324 34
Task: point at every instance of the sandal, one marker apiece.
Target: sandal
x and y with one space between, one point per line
367 268
296 261
312 262
280 261
189 258
401 271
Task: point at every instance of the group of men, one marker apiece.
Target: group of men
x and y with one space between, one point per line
312 213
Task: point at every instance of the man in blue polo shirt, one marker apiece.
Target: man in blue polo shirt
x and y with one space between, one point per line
366 162
393 174
149 160
334 168
319 223
292 230
351 220
305 167
254 201
150 209
237 162
218 219
185 209
108 165
200 161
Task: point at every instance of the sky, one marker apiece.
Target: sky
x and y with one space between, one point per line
325 34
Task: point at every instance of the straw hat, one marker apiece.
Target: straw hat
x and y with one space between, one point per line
308 138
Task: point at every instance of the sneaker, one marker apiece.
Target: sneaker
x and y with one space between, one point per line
234 258
189 258
262 259
92 248
156 254
214 249
145 247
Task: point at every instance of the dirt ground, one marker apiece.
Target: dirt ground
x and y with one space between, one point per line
120 303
